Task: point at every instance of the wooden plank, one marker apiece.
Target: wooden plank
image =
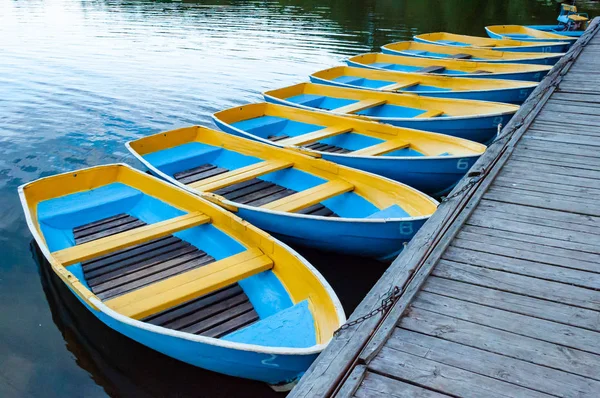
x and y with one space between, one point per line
382 148
310 197
316 135
201 173
519 284
519 266
101 231
240 175
122 240
546 187
585 163
359 106
178 289
378 386
580 151
547 201
398 86
548 177
517 303
557 169
543 231
447 379
520 373
568 219
588 98
545 217
522 325
563 138
430 113
508 344
355 379
519 250
431 69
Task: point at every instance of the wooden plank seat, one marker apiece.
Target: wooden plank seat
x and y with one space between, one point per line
310 197
240 175
398 86
480 71
430 113
316 135
461 56
319 146
192 284
359 106
199 173
113 240
431 69
382 148
213 315
276 138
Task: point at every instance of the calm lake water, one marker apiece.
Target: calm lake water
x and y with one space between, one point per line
79 78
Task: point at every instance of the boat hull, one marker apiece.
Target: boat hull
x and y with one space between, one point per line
532 76
567 38
557 29
359 237
550 60
507 95
550 48
435 176
482 129
269 368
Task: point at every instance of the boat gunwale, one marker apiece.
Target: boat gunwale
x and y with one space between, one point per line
500 59
425 93
413 119
98 305
419 38
290 214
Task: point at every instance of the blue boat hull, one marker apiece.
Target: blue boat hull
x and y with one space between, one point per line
482 129
525 76
531 61
435 176
510 95
552 48
360 238
558 30
269 368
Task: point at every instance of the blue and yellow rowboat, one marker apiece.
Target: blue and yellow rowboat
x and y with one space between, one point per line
450 67
452 39
181 275
471 120
435 51
429 162
429 85
300 199
519 32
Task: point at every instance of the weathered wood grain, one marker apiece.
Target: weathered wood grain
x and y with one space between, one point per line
375 385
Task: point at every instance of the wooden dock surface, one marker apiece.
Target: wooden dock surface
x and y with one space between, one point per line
500 290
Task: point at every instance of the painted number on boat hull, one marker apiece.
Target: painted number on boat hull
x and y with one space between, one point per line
406 229
463 164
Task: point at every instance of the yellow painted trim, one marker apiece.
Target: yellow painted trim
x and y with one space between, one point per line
240 175
359 106
309 197
430 113
398 86
109 244
476 41
382 148
180 288
316 135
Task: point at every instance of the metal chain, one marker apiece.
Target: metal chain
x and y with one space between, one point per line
386 303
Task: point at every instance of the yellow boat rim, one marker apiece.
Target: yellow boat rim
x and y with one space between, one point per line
464 53
483 42
525 31
406 79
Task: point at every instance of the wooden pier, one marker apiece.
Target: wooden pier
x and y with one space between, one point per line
499 292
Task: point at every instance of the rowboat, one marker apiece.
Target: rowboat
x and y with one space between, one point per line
181 275
558 29
451 39
471 120
430 85
436 51
519 32
450 67
429 162
298 198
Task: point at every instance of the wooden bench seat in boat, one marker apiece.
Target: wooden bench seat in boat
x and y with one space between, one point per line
319 146
255 192
431 69
359 106
315 136
430 113
382 148
461 56
310 197
398 86
118 273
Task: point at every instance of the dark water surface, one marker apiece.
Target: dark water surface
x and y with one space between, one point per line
79 78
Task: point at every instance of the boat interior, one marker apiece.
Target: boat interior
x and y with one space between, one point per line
157 254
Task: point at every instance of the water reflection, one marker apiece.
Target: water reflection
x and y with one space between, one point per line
79 78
